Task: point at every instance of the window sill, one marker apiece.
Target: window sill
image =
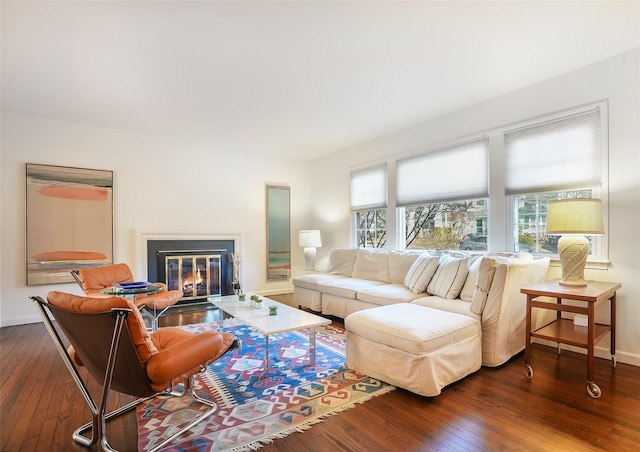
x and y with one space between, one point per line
591 265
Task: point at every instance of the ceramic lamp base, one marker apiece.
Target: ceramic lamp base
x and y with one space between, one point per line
573 251
310 258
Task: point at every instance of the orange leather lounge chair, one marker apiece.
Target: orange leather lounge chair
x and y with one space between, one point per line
96 279
110 339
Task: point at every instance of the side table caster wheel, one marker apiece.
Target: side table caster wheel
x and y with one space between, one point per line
528 371
613 360
594 390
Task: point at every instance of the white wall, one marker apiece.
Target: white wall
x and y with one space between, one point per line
159 186
615 79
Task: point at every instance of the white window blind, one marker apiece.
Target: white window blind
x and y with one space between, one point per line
554 155
453 174
369 188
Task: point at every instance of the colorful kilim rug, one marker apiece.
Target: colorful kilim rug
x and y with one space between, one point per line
254 409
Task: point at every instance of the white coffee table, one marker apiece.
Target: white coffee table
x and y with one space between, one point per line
287 319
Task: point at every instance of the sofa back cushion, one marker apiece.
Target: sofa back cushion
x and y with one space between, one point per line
399 264
373 265
342 260
449 277
421 272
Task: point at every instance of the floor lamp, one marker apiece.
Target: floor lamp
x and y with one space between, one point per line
573 218
310 240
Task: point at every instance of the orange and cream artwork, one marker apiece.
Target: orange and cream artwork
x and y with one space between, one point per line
69 219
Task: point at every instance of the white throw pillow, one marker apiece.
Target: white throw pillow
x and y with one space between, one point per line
485 276
421 273
450 277
469 287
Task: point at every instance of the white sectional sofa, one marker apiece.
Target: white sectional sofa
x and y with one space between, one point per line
466 310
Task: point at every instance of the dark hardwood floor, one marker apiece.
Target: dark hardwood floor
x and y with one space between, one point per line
493 409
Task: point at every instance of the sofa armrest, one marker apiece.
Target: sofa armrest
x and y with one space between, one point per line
504 315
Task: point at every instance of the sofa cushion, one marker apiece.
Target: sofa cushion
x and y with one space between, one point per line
311 280
387 294
466 293
373 265
399 264
346 287
449 277
421 272
341 261
412 328
458 306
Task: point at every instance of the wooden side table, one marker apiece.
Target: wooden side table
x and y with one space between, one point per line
564 330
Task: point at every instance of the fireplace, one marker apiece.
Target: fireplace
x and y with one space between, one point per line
200 268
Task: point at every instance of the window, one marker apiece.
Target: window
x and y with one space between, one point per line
531 217
371 228
368 204
555 159
445 225
442 195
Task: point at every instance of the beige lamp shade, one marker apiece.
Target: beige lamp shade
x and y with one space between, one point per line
573 218
310 239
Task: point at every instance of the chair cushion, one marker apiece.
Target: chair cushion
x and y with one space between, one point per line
181 354
88 305
159 300
449 277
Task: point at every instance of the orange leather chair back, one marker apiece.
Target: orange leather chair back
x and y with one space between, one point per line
88 305
95 279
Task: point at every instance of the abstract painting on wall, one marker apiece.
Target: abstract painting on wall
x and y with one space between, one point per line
69 221
278 232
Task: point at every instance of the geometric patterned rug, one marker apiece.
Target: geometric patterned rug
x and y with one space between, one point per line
255 408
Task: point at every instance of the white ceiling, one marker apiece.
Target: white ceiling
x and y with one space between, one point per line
299 79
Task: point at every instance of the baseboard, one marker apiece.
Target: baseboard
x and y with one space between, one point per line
22 321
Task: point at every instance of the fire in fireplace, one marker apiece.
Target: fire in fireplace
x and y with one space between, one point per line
197 275
201 268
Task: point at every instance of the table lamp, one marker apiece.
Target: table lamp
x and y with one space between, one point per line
310 240
573 218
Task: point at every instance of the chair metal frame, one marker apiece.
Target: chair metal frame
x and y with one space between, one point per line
120 338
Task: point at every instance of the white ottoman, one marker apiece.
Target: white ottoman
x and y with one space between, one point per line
413 347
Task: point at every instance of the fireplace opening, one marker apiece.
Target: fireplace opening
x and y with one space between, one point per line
196 275
200 268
